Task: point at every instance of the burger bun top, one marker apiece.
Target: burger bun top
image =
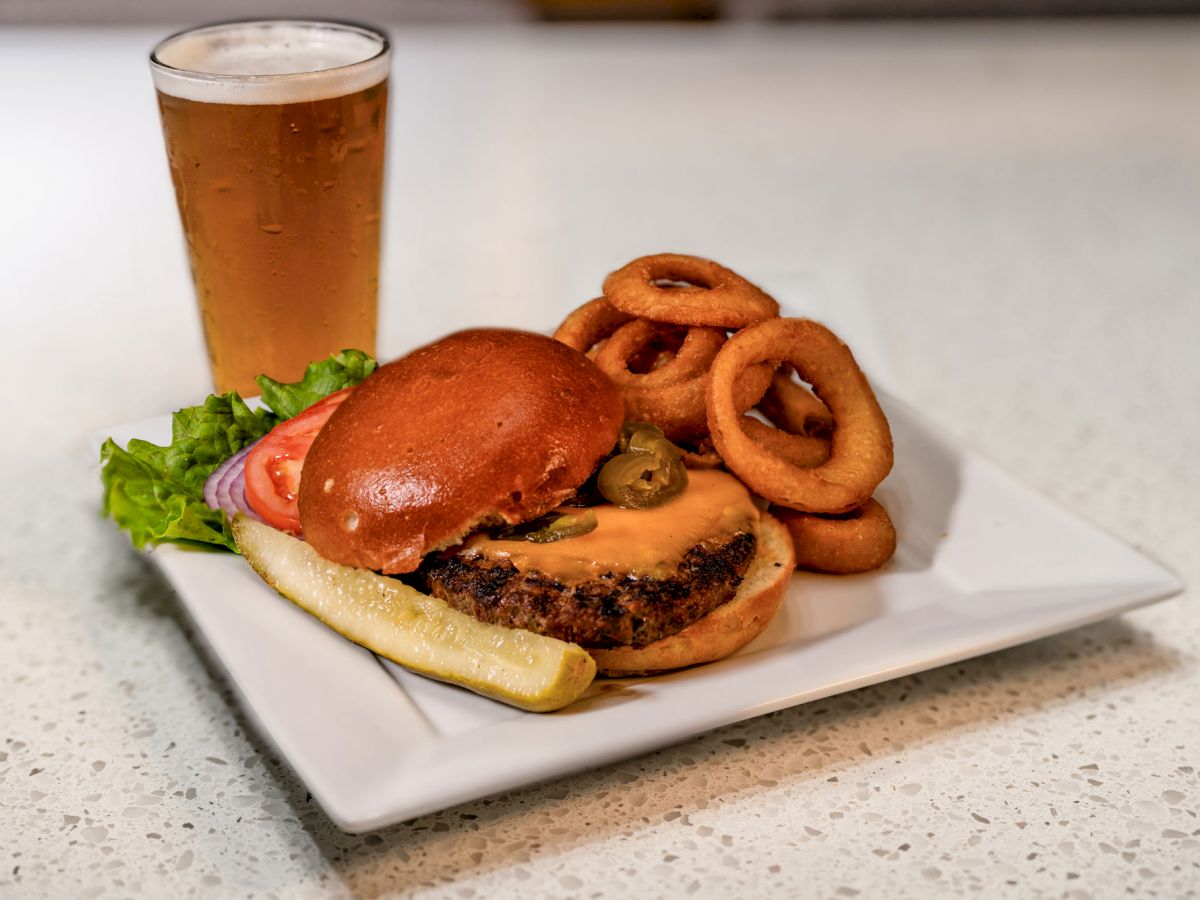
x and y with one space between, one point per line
483 427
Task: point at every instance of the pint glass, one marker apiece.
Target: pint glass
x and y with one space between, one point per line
275 138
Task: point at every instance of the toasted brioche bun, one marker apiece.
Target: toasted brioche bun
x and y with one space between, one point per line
479 428
727 628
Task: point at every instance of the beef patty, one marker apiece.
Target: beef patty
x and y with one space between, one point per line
613 610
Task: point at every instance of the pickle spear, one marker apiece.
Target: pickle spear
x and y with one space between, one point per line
415 630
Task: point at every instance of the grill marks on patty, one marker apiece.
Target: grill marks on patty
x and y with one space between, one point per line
612 610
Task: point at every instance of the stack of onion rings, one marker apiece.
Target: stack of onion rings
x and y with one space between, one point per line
660 333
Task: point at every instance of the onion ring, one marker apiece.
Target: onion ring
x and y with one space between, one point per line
856 541
678 409
750 386
801 450
704 293
671 396
591 323
861 447
632 340
794 408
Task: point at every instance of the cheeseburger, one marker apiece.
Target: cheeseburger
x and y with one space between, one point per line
470 466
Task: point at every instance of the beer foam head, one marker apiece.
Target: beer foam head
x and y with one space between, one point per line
269 62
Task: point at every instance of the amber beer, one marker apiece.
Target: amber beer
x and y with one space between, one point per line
275 137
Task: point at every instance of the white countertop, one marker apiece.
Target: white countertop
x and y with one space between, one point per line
1007 218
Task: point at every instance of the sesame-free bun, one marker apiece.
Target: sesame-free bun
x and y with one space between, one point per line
725 629
481 427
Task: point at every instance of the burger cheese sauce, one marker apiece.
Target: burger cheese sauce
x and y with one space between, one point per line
645 542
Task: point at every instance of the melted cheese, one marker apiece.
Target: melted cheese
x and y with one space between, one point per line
635 541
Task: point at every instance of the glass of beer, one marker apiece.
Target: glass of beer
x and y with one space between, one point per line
275 137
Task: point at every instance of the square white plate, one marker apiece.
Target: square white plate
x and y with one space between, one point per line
983 563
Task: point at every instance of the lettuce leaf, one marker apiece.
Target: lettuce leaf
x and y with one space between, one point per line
320 380
157 493
153 507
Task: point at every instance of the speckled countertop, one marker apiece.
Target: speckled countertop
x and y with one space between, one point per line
1014 209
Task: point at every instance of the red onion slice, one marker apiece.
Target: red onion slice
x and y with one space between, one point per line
217 489
237 495
224 499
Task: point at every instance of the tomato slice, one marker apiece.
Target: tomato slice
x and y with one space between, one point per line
273 466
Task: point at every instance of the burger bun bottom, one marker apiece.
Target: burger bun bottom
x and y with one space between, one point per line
727 628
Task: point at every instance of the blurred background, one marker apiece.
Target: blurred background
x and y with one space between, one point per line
133 11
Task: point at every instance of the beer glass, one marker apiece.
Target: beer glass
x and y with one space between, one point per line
275 138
